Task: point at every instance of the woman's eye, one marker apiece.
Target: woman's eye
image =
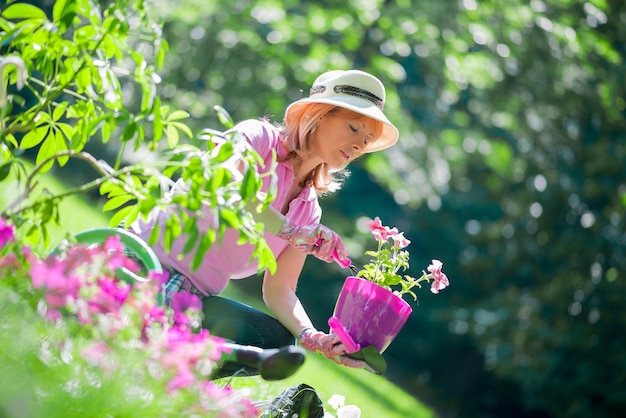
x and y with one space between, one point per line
353 129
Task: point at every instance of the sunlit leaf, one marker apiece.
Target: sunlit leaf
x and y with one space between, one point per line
119 216
23 11
224 117
116 202
34 137
177 115
206 242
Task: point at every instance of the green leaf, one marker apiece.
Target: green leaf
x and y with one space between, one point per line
129 131
119 216
47 150
229 217
5 169
171 133
157 122
116 202
224 116
154 235
10 138
107 129
23 11
60 144
107 187
64 12
191 229
206 241
182 127
133 213
177 115
34 137
224 152
249 185
59 111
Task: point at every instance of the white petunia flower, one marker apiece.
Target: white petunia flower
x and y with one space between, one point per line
337 401
349 411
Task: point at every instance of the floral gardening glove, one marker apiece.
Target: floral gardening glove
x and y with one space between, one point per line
329 346
318 240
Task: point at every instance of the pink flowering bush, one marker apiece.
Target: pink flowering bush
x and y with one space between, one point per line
77 341
391 259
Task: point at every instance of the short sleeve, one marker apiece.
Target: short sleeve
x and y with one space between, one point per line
262 136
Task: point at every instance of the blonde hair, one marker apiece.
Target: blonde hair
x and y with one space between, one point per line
302 121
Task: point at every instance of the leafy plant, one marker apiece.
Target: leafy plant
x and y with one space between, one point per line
388 261
82 68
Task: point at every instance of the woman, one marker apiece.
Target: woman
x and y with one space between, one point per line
340 120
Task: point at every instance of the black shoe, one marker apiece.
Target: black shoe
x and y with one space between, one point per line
271 363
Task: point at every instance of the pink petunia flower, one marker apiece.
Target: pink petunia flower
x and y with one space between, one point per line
400 241
440 280
381 232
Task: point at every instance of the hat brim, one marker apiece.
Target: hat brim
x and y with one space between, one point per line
389 135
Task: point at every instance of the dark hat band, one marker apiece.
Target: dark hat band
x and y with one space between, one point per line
351 91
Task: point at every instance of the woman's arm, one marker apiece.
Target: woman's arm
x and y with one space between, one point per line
279 291
279 294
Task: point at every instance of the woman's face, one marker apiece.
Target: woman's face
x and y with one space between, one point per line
338 140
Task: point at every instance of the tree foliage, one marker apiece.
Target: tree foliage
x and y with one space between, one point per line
83 65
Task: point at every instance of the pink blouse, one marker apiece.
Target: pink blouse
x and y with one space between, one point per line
230 260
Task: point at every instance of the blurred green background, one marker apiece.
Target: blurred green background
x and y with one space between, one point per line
510 169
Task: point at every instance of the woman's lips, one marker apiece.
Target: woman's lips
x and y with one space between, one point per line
346 156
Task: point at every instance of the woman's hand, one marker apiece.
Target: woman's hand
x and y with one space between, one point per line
330 346
318 240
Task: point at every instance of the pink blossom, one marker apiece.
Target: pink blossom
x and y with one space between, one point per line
110 297
113 243
95 353
159 278
400 241
440 281
78 256
9 261
50 275
381 233
113 247
6 232
182 301
183 378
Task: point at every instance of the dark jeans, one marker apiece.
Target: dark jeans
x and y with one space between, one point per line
245 325
234 321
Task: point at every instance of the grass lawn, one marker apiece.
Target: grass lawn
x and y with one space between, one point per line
374 395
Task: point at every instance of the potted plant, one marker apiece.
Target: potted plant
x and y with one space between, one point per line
370 310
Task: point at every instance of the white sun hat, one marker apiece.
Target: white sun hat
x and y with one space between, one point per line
354 90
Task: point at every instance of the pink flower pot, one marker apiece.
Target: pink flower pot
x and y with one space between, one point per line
368 314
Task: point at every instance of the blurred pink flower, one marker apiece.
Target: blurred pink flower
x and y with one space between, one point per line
82 283
6 232
159 278
50 275
109 296
96 355
182 301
